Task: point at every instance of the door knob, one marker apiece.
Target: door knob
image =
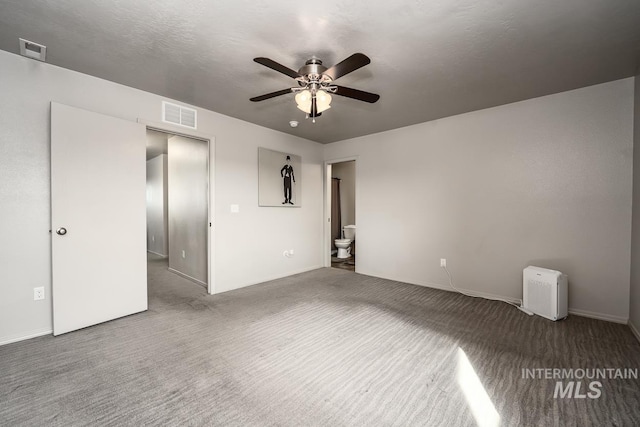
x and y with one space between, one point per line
61 231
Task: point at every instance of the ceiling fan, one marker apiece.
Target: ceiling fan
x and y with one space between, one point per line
315 83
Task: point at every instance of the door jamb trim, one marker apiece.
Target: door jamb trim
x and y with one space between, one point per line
210 139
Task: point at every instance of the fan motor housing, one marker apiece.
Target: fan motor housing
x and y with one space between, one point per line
312 67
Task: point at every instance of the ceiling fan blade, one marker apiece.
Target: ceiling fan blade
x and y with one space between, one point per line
277 67
352 63
360 95
270 95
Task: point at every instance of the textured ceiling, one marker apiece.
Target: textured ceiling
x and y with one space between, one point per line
429 59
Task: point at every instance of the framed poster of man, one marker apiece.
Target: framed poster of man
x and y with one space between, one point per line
279 178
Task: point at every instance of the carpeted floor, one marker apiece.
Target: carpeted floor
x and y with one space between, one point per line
325 348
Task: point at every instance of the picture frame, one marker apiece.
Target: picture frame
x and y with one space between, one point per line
279 178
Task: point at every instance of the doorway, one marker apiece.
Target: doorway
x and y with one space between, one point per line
340 210
178 204
98 188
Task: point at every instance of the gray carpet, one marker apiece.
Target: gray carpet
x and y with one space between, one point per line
326 348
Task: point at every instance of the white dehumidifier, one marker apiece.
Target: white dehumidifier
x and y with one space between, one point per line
545 292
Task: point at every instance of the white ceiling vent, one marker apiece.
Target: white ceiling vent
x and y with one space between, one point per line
33 50
179 115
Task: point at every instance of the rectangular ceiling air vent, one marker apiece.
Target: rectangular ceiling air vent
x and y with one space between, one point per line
33 50
179 115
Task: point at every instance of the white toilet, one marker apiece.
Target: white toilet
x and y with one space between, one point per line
344 245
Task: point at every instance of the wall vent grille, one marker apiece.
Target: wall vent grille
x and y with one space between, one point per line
179 115
33 50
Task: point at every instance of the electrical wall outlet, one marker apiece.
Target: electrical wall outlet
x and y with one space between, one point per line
443 262
38 293
153 238
184 254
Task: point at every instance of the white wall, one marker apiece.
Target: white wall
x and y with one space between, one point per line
346 171
543 182
188 211
157 225
634 309
257 235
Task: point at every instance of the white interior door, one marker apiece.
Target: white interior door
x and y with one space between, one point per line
98 218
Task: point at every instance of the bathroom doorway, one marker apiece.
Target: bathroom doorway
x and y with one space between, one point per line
341 214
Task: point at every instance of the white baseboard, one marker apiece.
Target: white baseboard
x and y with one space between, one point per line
599 316
573 311
446 287
635 330
156 253
34 334
486 295
270 278
186 276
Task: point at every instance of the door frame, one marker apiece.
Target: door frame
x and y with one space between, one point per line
326 241
211 145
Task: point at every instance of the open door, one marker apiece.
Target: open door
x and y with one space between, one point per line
98 218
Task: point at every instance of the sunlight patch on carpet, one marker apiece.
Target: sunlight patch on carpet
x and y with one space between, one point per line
479 402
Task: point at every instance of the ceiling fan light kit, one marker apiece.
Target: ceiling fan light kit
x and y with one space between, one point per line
304 100
315 83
